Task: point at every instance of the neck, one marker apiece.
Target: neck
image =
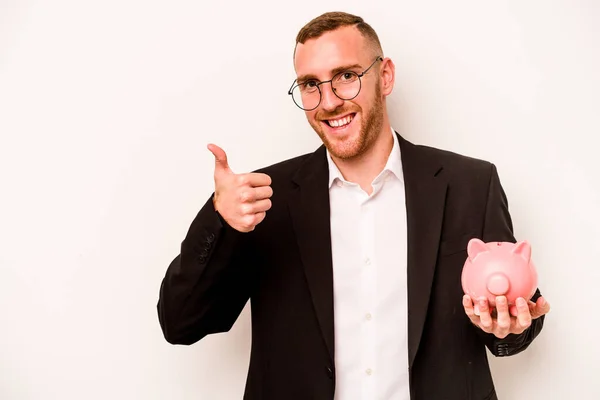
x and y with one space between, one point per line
363 169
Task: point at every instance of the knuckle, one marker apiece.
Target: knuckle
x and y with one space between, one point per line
242 179
245 196
519 330
501 334
249 221
248 228
245 209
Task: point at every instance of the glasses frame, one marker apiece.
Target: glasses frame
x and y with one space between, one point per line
296 84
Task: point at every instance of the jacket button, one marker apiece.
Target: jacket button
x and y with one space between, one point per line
329 372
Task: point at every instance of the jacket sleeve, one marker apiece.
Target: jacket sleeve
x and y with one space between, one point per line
498 227
208 284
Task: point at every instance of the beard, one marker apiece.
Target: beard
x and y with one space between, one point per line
371 123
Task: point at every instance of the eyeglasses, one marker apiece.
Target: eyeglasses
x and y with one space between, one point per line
346 85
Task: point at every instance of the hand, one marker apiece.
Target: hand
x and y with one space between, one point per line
504 321
241 199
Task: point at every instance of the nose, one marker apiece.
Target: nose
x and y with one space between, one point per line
329 101
498 284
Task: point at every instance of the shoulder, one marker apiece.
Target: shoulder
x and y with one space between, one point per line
284 173
458 166
285 169
453 159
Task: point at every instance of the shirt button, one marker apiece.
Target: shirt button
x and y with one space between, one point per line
340 184
368 261
368 316
369 371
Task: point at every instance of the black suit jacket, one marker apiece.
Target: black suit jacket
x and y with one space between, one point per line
284 267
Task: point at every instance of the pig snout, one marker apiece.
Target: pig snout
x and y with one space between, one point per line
498 284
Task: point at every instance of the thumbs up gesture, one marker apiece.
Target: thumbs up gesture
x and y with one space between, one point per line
241 199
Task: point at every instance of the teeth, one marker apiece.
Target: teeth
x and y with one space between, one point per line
340 122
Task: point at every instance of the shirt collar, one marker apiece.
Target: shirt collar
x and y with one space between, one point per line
393 165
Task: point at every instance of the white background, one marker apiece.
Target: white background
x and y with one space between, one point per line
105 111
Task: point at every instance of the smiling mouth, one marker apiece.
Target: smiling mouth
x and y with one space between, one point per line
338 123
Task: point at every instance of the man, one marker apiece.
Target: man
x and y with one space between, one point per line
351 256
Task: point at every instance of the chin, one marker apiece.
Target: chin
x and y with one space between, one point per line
344 148
341 136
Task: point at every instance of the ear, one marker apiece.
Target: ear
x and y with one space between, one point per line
475 247
388 76
523 249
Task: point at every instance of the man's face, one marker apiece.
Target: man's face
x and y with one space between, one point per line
347 127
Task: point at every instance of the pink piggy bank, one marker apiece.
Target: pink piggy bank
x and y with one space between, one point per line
499 269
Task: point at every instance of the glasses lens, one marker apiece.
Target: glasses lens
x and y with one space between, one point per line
346 85
306 96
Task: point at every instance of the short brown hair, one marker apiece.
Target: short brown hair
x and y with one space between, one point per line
331 21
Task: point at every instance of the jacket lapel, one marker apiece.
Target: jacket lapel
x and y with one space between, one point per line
425 198
309 209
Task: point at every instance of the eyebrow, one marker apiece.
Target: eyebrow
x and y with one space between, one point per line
333 72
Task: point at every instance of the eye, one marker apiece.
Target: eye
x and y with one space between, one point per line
308 86
346 77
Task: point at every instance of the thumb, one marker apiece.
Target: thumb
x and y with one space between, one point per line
221 164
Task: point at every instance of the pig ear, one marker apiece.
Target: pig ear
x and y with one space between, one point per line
475 247
522 249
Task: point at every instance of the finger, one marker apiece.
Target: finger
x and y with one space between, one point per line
541 307
249 221
469 309
221 163
250 195
262 206
523 314
255 207
486 321
259 217
263 192
254 179
503 321
468 305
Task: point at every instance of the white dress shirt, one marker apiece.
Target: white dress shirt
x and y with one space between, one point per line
369 244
